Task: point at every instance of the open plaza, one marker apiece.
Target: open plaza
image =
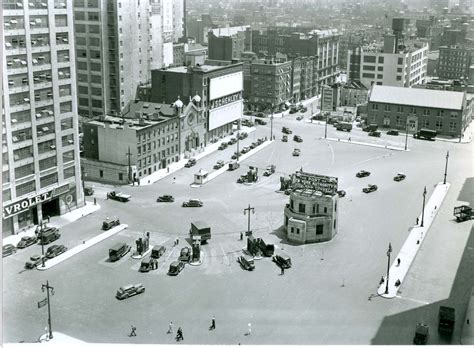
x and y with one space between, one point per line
328 296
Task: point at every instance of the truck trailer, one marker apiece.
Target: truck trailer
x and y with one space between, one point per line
426 134
202 229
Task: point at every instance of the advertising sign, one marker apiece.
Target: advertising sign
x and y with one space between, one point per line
325 184
25 204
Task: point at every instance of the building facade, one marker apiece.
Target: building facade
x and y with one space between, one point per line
417 108
454 62
41 170
117 45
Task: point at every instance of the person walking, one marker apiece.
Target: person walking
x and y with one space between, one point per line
213 323
170 328
398 262
179 334
133 333
250 329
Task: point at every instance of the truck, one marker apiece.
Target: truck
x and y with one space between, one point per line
266 249
426 134
446 320
370 128
233 165
202 229
463 213
118 196
421 334
118 251
344 126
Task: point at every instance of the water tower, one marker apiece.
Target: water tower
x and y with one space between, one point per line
399 26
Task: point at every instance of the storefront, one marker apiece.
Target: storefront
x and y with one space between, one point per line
29 211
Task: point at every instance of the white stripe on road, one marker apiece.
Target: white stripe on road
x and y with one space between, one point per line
413 300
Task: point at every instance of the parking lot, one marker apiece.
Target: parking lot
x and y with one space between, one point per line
322 299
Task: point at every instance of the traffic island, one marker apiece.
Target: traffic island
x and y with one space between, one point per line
405 257
60 339
138 256
85 245
388 147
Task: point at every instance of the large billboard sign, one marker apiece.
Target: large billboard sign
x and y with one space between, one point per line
307 181
225 85
225 114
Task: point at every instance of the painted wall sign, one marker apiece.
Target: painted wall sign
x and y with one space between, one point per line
25 204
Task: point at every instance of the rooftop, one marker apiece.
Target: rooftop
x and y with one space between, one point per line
229 31
417 97
184 69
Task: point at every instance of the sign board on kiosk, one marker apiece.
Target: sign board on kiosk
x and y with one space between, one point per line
307 181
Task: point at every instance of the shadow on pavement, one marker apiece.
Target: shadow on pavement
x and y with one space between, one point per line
467 193
399 329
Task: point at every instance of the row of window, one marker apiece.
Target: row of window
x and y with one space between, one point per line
414 110
315 208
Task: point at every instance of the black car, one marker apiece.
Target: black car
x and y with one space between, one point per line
34 261
298 139
8 249
260 122
108 224
341 193
375 134
55 250
232 140
286 130
26 241
175 267
370 188
190 163
362 174
399 177
392 132
165 198
222 146
284 138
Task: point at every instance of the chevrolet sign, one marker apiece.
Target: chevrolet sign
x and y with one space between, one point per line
25 204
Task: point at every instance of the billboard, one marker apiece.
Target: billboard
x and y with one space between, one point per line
325 184
225 114
225 85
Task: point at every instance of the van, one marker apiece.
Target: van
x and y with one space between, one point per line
157 251
118 251
48 235
282 260
246 262
148 264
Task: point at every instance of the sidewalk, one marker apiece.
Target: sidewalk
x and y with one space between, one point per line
173 167
60 339
413 243
365 144
56 221
86 244
467 331
466 138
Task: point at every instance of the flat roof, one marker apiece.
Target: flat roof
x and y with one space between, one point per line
430 98
204 68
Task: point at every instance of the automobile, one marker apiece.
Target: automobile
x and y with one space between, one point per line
247 123
260 122
235 155
375 134
175 267
190 163
222 146
399 177
253 146
243 135
260 141
392 132
246 262
108 224
34 261
129 291
282 260
341 193
303 110
219 164
362 173
55 250
284 138
229 143
118 196
232 140
299 118
370 188
193 203
48 235
88 191
286 130
245 149
26 241
185 255
296 152
269 170
165 198
422 334
8 249
260 114
298 139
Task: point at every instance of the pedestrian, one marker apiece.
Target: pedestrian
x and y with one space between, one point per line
250 329
213 323
138 180
179 334
170 328
398 262
95 201
436 207
382 280
241 236
349 139
133 333
417 220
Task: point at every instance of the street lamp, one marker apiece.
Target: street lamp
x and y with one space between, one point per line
42 243
271 125
247 212
48 288
326 126
406 135
446 168
423 211
388 266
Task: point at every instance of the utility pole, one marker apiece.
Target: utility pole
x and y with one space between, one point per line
247 212
326 126
129 155
406 135
42 244
41 303
446 168
271 125
388 265
423 211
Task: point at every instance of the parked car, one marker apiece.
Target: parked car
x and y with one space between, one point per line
48 235
109 223
34 261
246 262
8 249
129 291
55 250
175 267
232 140
26 241
235 155
253 145
284 138
118 196
193 203
375 134
245 149
190 163
362 174
303 109
282 260
286 130
296 152
298 139
185 255
341 193
222 146
392 132
165 198
88 190
299 118
260 122
370 188
399 177
219 164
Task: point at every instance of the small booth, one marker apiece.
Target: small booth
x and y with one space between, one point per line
200 177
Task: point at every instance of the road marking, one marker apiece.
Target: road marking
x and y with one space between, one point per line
412 299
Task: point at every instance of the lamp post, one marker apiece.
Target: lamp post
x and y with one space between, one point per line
42 243
446 168
406 135
48 288
247 212
271 125
326 126
388 266
423 211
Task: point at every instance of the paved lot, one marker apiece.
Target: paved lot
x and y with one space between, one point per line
322 299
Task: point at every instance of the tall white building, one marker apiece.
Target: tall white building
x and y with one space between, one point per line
118 42
41 166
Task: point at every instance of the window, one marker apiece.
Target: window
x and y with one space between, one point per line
380 68
319 229
367 75
399 78
400 61
297 231
440 113
387 107
120 176
375 106
69 172
399 70
292 230
325 210
452 126
369 59
369 67
400 109
426 112
439 125
101 173
301 208
49 180
379 76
